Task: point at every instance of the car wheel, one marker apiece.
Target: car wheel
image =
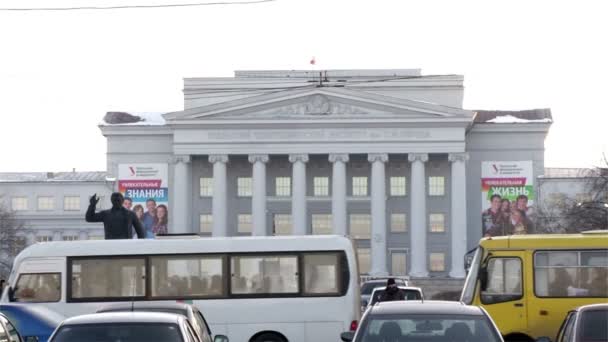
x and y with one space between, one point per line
269 337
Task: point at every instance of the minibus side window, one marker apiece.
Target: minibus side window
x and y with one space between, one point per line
38 288
504 281
103 278
187 276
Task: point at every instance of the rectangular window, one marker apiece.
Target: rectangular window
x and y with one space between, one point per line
38 287
19 203
571 273
101 203
72 203
282 224
244 186
321 186
398 186
206 186
398 223
70 237
436 186
108 277
264 274
437 262
363 258
504 280
359 186
245 224
437 222
398 263
360 226
321 224
44 238
187 276
46 203
206 223
321 273
283 186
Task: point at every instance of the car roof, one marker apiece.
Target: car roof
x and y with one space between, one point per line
590 307
411 288
125 317
146 305
425 307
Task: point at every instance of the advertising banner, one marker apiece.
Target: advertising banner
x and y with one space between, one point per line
507 194
146 185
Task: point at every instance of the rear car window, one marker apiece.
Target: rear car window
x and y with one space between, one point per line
123 332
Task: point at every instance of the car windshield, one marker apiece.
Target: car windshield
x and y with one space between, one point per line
119 332
593 326
408 294
469 285
413 328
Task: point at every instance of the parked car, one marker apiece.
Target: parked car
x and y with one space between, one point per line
127 327
8 332
369 286
410 293
435 321
34 322
587 323
190 311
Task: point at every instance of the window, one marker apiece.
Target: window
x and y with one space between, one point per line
185 276
503 281
398 263
398 187
437 222
100 203
363 257
360 226
206 223
436 186
70 237
359 186
321 273
19 203
72 203
283 186
206 186
437 261
264 274
46 203
321 224
38 287
398 223
571 273
44 238
321 186
244 187
583 197
105 277
245 224
282 224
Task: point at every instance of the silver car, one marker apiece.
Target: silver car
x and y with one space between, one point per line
585 323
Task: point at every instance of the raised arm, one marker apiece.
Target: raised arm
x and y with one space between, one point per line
91 215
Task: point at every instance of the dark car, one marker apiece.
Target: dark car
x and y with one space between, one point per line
8 332
588 323
369 286
436 321
34 322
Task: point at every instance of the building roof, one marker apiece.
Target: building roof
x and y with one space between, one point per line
542 115
41 177
566 172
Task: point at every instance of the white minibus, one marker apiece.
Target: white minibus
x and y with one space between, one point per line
292 288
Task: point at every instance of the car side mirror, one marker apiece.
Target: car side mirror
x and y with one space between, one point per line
220 338
11 294
31 339
543 339
347 336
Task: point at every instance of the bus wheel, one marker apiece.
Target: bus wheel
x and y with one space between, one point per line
269 337
518 338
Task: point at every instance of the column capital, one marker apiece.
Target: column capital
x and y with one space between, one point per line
458 157
181 159
302 157
374 157
218 158
423 157
341 157
254 158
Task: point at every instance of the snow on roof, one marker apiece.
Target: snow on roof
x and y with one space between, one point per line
512 119
541 115
145 119
36 177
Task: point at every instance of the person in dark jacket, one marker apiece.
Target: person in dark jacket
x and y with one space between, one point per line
392 292
117 221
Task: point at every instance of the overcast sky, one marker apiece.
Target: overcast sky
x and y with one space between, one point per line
61 71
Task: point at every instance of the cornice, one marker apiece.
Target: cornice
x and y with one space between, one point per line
539 127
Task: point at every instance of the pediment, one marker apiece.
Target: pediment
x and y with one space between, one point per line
317 103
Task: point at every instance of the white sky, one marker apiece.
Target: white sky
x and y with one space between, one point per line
61 71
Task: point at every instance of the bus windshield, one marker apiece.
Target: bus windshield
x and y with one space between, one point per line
469 285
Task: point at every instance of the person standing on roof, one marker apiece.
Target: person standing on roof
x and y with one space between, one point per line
117 221
391 292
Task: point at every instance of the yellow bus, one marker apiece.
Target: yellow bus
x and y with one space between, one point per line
528 283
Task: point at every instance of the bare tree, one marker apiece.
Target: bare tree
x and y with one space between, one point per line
12 238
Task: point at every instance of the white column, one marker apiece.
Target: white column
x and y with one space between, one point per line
258 200
418 216
458 213
378 240
298 193
83 235
180 214
220 201
338 193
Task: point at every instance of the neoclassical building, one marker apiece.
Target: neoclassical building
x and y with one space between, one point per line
387 157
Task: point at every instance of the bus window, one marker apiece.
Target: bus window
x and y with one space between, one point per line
187 276
107 277
321 274
38 287
504 281
264 274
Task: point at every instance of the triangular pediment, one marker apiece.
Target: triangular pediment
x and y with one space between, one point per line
317 103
